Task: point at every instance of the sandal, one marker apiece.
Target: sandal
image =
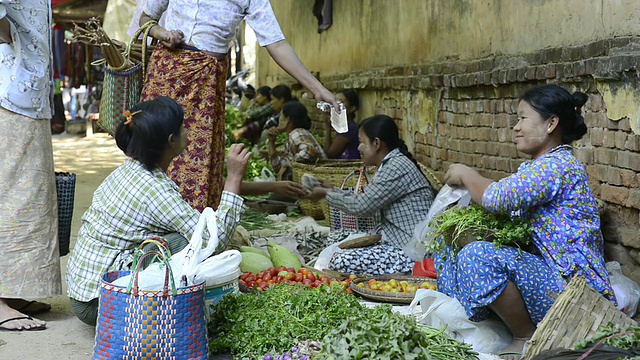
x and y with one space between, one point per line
34 328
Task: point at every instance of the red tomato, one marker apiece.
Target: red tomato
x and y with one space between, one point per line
307 282
290 269
299 277
241 281
273 272
303 271
271 282
250 278
262 284
245 275
317 283
281 268
324 279
267 277
311 277
279 278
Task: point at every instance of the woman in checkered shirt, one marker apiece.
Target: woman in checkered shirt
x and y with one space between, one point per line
399 192
138 200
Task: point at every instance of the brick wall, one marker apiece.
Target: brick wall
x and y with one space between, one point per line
476 102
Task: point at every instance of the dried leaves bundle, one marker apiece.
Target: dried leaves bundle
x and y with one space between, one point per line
115 52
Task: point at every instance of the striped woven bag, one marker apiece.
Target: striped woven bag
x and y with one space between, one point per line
141 324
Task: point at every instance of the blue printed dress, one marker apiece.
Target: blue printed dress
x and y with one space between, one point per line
553 192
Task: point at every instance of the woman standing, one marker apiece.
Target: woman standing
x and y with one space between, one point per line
191 66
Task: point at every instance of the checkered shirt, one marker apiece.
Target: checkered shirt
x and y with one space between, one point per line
398 190
301 147
131 205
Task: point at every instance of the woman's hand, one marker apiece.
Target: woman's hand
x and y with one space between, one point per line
290 189
272 134
456 174
237 160
326 95
283 171
169 38
318 193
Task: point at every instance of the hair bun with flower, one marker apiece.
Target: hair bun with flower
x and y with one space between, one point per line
129 116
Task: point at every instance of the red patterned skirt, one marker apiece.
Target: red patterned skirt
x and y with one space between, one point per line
197 82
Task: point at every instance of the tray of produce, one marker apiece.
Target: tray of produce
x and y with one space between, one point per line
393 289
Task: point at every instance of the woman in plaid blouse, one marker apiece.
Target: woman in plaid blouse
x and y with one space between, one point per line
399 192
138 200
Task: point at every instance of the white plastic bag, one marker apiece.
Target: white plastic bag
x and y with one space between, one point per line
439 310
415 248
324 258
626 290
217 266
200 247
265 176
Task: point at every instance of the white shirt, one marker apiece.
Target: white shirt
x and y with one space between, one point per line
26 83
211 24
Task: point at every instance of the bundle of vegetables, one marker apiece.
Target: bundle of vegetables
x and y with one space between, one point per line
273 322
254 220
460 225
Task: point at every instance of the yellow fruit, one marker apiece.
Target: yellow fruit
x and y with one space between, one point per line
373 287
393 283
412 288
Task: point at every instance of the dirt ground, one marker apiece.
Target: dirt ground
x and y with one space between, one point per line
92 159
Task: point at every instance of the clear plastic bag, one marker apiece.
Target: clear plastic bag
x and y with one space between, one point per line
447 196
626 290
338 119
265 175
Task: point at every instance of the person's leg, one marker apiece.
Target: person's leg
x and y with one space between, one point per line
514 284
11 319
28 307
86 311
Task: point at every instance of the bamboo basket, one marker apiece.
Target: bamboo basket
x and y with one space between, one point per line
389 297
332 172
575 315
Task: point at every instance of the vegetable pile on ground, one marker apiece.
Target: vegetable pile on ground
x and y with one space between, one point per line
272 276
460 225
252 326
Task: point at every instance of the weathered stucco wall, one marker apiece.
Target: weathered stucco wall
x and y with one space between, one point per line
367 34
450 73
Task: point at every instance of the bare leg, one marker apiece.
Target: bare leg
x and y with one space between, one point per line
26 323
510 307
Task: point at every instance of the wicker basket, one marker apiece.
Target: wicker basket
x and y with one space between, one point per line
360 242
332 172
575 315
400 298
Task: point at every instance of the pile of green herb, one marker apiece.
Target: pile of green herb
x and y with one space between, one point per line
252 325
480 224
383 334
613 336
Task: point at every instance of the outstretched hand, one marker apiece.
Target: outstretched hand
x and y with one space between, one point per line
456 174
326 95
290 189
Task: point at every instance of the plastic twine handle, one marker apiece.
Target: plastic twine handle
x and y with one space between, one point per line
363 179
162 252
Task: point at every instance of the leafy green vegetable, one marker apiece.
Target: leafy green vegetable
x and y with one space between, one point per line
255 220
458 223
252 325
383 334
613 336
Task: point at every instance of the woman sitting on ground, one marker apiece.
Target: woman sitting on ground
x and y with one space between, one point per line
301 146
552 191
138 200
345 145
399 192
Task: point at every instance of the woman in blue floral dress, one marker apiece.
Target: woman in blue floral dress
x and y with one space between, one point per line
552 192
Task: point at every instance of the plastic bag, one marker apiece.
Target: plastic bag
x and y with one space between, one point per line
626 290
217 266
338 120
439 311
324 258
265 175
415 248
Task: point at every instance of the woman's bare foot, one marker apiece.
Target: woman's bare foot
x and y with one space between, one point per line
13 320
514 350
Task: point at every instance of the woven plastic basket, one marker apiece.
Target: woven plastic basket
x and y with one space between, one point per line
332 172
575 315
